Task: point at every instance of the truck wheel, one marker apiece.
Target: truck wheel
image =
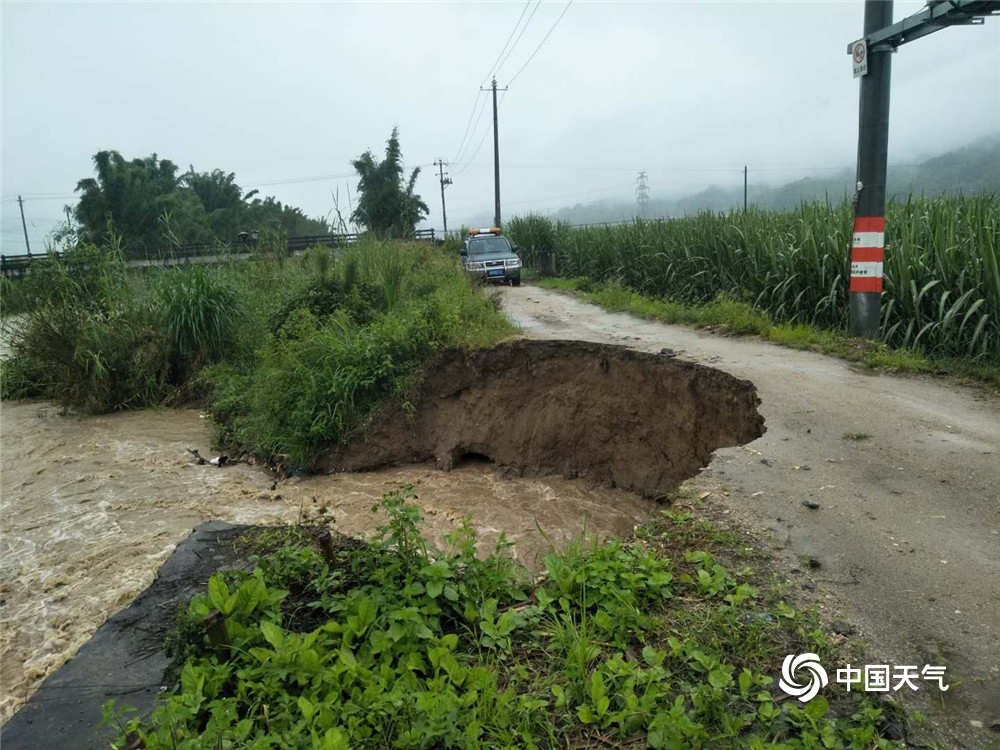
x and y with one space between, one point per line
516 282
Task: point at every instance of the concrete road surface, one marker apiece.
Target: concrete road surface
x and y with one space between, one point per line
906 471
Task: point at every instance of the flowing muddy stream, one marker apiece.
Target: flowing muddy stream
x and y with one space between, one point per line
91 507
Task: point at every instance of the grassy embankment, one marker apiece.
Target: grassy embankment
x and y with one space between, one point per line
669 639
781 275
291 354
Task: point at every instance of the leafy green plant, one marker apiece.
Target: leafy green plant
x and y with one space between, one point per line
398 643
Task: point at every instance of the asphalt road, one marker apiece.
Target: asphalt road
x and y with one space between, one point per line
906 472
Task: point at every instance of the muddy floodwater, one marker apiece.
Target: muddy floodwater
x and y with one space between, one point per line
91 507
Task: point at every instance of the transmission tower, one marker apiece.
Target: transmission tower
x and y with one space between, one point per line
642 195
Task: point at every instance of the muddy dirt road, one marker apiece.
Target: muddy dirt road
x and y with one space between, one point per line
908 530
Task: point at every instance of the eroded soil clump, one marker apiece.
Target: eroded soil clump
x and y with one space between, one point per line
642 422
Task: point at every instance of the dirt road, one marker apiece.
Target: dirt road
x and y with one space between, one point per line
906 471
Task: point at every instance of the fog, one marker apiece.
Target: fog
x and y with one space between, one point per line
286 94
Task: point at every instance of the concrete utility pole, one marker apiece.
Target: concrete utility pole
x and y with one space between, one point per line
744 188
496 156
445 180
873 63
24 226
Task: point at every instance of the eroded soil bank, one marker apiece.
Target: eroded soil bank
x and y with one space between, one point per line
641 422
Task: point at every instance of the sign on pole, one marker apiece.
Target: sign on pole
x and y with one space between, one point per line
859 56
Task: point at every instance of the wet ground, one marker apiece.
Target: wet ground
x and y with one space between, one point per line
92 507
906 473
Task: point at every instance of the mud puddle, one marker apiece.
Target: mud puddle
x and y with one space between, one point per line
92 507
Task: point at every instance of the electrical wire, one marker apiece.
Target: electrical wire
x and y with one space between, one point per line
481 141
532 56
472 114
468 124
296 180
524 28
493 67
468 143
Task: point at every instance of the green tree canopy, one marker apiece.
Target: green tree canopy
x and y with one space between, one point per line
387 203
152 207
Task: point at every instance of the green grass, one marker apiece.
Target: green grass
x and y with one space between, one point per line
669 639
731 316
942 267
291 354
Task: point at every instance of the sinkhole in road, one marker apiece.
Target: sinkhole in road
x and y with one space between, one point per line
622 418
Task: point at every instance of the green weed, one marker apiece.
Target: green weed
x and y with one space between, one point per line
395 643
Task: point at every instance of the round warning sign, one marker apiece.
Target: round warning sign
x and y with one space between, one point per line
859 56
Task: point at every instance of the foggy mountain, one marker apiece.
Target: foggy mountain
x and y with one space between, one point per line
972 169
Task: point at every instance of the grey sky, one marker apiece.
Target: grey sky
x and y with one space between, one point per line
284 91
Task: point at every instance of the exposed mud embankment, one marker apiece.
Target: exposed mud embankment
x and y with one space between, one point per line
642 422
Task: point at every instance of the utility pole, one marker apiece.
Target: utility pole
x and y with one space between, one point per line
445 180
496 156
24 226
642 195
872 56
744 188
868 244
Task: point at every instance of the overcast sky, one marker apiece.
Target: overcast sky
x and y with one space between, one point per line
282 92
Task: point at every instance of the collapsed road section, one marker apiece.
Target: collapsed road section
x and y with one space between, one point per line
641 422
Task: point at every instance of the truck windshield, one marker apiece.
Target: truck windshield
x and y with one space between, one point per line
488 245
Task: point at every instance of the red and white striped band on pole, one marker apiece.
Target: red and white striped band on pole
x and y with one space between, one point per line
867 254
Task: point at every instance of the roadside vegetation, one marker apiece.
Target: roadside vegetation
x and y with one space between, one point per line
782 274
668 639
154 207
291 354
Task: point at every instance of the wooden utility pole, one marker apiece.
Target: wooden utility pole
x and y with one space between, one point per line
24 226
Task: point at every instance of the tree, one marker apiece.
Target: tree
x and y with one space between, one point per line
131 194
387 204
152 209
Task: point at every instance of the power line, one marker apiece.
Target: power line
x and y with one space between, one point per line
296 180
523 29
41 197
481 142
532 56
461 152
467 126
606 189
472 114
493 67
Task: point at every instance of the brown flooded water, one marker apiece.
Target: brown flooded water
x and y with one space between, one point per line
91 507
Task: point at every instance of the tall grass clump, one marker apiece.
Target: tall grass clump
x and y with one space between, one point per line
87 340
942 285
341 349
197 309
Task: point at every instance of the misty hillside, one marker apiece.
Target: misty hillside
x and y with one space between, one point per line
971 169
